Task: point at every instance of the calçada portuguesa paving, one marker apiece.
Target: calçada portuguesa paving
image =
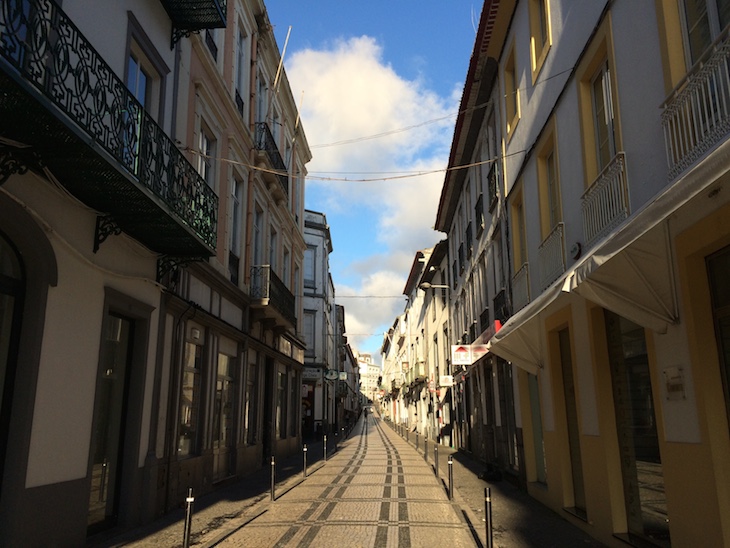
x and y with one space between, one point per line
375 491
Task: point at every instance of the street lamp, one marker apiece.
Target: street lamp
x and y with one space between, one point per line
429 285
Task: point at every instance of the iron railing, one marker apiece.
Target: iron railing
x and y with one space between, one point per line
492 186
501 310
551 256
605 204
696 114
196 14
50 54
266 286
265 142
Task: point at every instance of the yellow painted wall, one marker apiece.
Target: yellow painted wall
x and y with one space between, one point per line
700 473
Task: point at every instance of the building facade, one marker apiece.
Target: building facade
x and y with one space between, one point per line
612 155
151 245
320 329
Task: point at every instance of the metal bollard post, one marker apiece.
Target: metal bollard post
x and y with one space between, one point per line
273 478
416 441
325 448
188 518
102 482
488 514
408 436
451 478
436 459
425 449
305 460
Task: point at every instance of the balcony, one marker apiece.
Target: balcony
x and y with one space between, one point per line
275 172
272 298
521 287
551 256
501 310
696 115
605 204
66 108
193 15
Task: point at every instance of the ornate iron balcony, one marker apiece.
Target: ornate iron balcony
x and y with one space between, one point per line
269 292
266 143
61 99
196 14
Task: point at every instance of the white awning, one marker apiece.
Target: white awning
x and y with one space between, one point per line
630 272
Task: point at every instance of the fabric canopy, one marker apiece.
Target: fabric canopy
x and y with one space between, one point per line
630 272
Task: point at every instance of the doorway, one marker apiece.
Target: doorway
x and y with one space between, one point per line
571 416
110 413
641 463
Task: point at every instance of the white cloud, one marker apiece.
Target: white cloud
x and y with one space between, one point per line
351 92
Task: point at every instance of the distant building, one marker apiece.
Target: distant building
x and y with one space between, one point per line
370 377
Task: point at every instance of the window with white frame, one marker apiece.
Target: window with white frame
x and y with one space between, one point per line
258 235
242 70
310 258
273 249
704 20
206 156
603 116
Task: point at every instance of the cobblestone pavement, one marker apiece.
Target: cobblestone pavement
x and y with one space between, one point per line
375 492
377 489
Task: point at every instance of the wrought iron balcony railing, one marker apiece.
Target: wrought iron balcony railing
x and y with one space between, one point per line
196 14
267 290
605 204
501 309
696 115
551 256
59 97
266 143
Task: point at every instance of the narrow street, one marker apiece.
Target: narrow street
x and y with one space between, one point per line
377 490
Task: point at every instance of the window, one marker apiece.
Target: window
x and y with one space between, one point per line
242 71
210 41
479 215
146 70
294 403
600 127
310 257
603 116
511 93
285 268
539 34
549 186
224 416
281 386
310 317
704 20
261 97
236 229
188 437
518 229
273 249
258 221
206 158
250 414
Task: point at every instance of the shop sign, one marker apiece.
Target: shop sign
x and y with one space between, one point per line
311 374
446 380
331 375
461 355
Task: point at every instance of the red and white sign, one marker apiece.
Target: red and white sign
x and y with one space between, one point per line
461 355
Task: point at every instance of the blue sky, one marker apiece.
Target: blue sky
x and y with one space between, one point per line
378 84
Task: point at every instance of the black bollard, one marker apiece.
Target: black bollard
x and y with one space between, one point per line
273 478
451 478
416 441
188 518
325 448
488 514
425 449
436 459
305 460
